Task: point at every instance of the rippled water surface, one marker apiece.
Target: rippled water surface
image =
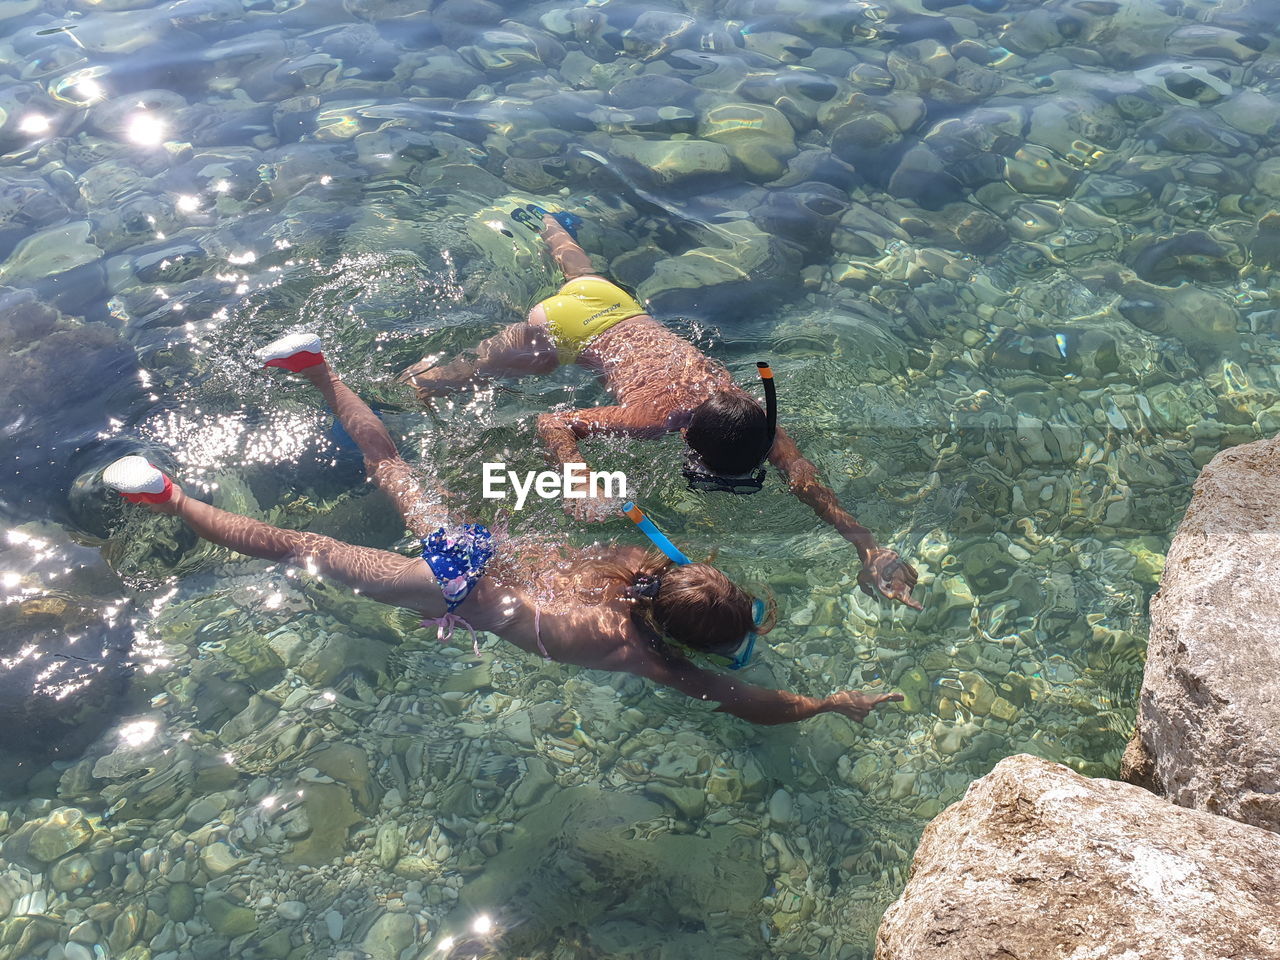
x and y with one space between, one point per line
1013 264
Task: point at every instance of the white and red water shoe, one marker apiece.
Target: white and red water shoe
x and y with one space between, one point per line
294 352
138 480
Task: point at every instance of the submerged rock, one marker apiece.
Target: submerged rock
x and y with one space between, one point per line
1267 177
65 830
501 51
758 137
804 214
43 359
1196 315
1191 130
331 814
1265 247
1034 169
669 162
390 934
652 90
1038 861
1208 713
1194 255
50 252
748 265
655 32
227 918
63 669
569 855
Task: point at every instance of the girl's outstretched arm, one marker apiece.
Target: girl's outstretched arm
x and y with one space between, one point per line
755 704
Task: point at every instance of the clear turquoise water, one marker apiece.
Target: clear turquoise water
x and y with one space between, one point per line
1019 290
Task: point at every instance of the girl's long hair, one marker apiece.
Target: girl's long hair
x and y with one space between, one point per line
694 604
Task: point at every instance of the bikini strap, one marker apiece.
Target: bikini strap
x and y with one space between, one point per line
537 632
445 626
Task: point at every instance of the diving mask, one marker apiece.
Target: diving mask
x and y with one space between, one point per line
741 655
703 480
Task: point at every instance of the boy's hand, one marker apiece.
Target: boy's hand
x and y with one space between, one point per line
855 704
894 578
430 381
593 509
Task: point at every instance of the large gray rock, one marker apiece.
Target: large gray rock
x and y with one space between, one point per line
1038 861
64 664
1209 711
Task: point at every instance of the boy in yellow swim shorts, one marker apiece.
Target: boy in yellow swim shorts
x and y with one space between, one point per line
584 308
662 383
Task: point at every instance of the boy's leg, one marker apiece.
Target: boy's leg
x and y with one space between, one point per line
519 350
571 258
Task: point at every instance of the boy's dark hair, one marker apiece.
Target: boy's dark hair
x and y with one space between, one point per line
730 432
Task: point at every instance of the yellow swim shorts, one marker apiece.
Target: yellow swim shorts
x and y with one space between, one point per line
583 309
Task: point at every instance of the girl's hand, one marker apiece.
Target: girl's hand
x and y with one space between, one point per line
855 704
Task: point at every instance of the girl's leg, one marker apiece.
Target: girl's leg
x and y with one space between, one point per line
387 577
384 576
422 509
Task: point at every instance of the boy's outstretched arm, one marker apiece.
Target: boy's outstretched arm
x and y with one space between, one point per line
521 349
560 434
755 704
882 570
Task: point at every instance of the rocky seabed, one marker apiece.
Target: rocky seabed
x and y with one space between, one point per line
1023 252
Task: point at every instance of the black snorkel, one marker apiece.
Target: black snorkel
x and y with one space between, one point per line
702 479
770 401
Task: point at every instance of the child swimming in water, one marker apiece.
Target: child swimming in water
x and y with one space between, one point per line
606 608
663 383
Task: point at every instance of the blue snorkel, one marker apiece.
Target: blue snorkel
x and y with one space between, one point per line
742 655
658 538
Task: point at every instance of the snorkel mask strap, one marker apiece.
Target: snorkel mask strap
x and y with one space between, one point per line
656 536
770 398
